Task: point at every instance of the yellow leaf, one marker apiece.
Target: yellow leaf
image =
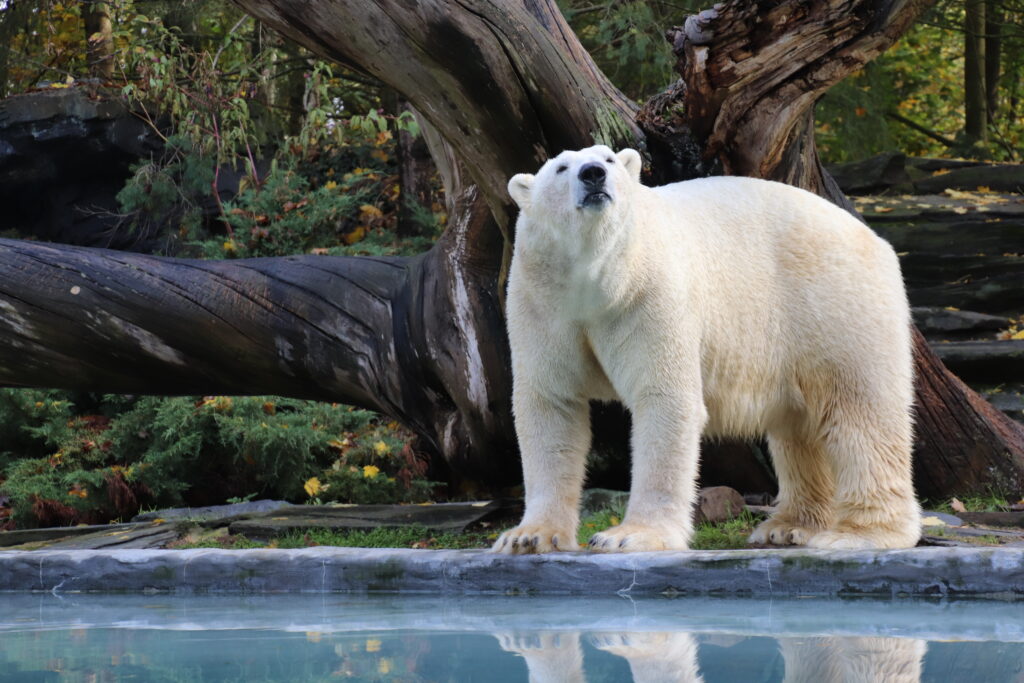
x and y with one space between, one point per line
370 471
355 236
1017 335
312 486
229 246
984 188
330 185
613 520
380 448
371 210
883 209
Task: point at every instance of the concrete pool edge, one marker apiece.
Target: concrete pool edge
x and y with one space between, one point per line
919 572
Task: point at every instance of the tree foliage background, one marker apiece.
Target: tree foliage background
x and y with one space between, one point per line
270 151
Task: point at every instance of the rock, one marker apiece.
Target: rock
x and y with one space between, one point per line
715 504
64 155
871 175
927 165
52 534
450 517
215 512
1007 399
944 519
137 536
759 499
996 177
962 250
933 572
1003 519
595 500
894 172
947 323
984 361
718 504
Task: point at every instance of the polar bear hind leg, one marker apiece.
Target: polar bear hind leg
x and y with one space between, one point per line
806 489
874 506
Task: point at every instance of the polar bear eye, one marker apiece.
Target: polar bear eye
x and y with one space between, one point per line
610 160
561 169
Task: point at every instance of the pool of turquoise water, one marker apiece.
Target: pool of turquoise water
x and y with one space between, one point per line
336 637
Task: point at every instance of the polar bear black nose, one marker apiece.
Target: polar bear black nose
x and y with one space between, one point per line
592 173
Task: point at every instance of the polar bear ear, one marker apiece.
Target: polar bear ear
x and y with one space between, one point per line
630 158
519 188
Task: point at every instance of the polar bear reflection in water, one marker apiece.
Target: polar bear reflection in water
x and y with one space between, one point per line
557 657
722 307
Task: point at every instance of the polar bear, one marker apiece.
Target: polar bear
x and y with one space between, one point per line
719 306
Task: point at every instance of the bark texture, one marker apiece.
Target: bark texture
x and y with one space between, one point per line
964 444
398 335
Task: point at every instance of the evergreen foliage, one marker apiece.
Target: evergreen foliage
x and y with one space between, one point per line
103 460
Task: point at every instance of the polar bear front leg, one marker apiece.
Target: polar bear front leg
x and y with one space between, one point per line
666 445
554 438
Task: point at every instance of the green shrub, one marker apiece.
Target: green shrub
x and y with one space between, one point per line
65 466
376 467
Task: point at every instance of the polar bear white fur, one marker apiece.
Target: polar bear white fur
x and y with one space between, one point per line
719 306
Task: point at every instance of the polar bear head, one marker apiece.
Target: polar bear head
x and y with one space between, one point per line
574 186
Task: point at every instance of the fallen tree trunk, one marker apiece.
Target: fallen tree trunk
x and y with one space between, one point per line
374 332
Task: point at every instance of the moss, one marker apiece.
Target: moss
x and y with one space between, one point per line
164 575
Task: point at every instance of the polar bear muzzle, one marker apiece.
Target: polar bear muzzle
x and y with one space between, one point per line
592 177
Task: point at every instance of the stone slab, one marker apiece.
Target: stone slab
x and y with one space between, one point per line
47 534
450 517
214 512
933 572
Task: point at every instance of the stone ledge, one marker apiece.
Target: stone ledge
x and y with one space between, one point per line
945 572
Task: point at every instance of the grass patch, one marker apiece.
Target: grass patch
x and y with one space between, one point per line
732 533
400 537
599 521
990 502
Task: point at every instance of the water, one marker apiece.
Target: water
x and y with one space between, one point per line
333 637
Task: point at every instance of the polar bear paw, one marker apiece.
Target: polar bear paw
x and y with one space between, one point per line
873 539
535 538
781 532
634 538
